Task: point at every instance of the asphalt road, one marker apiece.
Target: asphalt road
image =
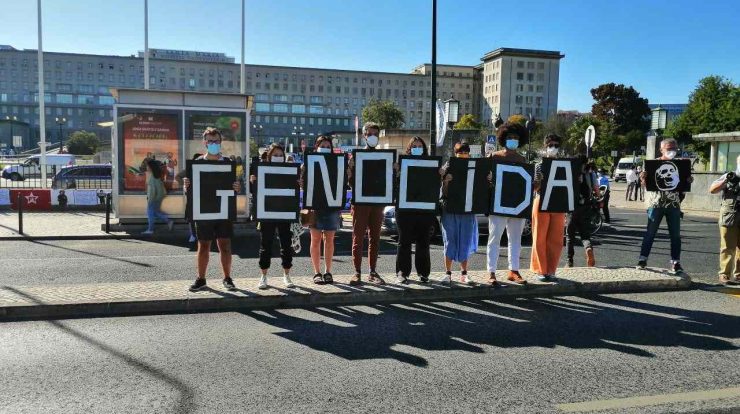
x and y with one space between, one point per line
515 356
94 261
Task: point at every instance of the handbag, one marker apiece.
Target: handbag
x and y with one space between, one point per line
308 218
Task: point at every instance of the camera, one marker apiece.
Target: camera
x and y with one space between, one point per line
733 178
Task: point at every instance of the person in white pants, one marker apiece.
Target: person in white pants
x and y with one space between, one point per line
510 136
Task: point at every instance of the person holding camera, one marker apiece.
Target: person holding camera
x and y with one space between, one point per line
729 224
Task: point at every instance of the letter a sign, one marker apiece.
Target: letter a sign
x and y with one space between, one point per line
559 184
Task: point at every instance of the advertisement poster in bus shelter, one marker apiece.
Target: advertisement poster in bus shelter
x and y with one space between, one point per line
232 134
149 136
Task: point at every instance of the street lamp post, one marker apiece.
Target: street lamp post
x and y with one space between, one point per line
297 130
257 130
452 109
531 123
61 122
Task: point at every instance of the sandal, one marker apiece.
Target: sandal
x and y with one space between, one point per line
355 280
318 279
328 279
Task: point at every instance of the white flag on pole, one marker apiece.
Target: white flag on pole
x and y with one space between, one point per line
441 122
357 131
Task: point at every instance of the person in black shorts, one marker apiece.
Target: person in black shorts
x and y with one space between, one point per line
206 231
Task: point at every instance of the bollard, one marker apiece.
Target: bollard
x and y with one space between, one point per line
20 214
107 212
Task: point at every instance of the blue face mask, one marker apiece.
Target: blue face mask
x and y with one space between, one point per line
417 151
214 149
512 144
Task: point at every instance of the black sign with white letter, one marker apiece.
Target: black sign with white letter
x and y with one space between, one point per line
325 182
372 183
212 196
668 175
468 192
419 182
559 186
512 189
277 196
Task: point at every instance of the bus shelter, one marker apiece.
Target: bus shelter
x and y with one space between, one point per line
168 126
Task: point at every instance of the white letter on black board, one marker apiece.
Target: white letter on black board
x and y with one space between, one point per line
358 193
333 200
469 186
515 169
552 182
406 165
223 213
263 192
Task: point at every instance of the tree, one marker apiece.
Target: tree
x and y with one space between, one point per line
384 113
468 122
517 119
714 106
555 125
622 106
83 143
254 149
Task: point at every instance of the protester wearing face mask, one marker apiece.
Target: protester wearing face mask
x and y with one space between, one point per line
325 224
663 204
221 230
366 219
414 228
267 231
547 228
459 230
510 136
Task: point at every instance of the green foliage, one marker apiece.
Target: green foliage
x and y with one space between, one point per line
555 125
622 107
518 119
468 121
83 143
714 106
384 113
254 149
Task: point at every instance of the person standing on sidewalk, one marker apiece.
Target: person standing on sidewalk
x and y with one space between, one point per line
578 219
155 193
663 204
631 178
547 228
639 188
604 184
414 228
729 224
510 136
366 220
206 231
267 231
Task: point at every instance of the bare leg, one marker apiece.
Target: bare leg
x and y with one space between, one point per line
328 250
316 250
464 265
204 249
448 264
224 248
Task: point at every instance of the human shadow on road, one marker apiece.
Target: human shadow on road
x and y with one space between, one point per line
600 322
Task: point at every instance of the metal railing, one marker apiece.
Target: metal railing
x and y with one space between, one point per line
57 177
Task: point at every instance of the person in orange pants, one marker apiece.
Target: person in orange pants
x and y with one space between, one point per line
547 228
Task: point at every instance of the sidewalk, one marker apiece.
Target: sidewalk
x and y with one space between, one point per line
156 297
72 224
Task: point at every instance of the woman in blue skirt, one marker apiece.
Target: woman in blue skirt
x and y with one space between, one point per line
459 231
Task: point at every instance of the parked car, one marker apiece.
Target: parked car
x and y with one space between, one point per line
90 176
31 167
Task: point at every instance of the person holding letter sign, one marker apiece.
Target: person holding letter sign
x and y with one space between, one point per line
510 136
267 229
414 227
547 228
366 219
664 204
206 231
577 220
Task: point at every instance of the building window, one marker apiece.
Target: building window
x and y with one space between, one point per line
261 107
261 97
520 76
281 98
317 99
280 108
316 109
298 109
106 100
540 77
530 77
298 98
541 65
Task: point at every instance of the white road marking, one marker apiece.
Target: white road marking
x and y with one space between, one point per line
634 402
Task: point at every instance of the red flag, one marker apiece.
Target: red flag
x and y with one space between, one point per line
32 199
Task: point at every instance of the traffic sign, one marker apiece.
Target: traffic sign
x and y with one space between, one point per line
590 136
491 139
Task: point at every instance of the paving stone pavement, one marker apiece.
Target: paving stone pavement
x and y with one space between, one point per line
173 296
72 223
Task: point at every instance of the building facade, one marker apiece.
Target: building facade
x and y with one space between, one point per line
290 102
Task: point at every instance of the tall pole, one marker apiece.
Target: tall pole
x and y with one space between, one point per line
243 88
433 106
146 44
42 113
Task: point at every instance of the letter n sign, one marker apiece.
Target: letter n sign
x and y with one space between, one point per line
212 194
277 196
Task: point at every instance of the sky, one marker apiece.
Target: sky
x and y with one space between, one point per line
660 47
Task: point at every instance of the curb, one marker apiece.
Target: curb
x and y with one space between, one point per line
81 237
306 298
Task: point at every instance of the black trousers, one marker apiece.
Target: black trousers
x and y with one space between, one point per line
414 228
577 223
267 237
605 207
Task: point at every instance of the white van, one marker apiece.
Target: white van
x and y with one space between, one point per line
624 165
31 167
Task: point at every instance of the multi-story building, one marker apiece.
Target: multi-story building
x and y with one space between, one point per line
289 101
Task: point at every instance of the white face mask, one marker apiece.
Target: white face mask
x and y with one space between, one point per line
372 141
551 151
670 154
323 150
277 159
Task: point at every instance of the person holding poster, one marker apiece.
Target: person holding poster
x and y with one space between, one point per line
325 224
414 228
578 218
459 230
366 219
510 136
267 231
663 204
547 228
206 231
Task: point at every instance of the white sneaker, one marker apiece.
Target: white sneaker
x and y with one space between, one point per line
192 239
466 279
445 280
263 283
147 232
288 283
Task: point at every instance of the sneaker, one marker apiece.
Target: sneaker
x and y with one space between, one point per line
229 284
356 280
590 259
676 269
262 285
569 263
446 279
465 279
546 278
192 239
375 278
492 280
288 283
170 225
424 279
199 284
515 277
147 232
401 279
641 264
